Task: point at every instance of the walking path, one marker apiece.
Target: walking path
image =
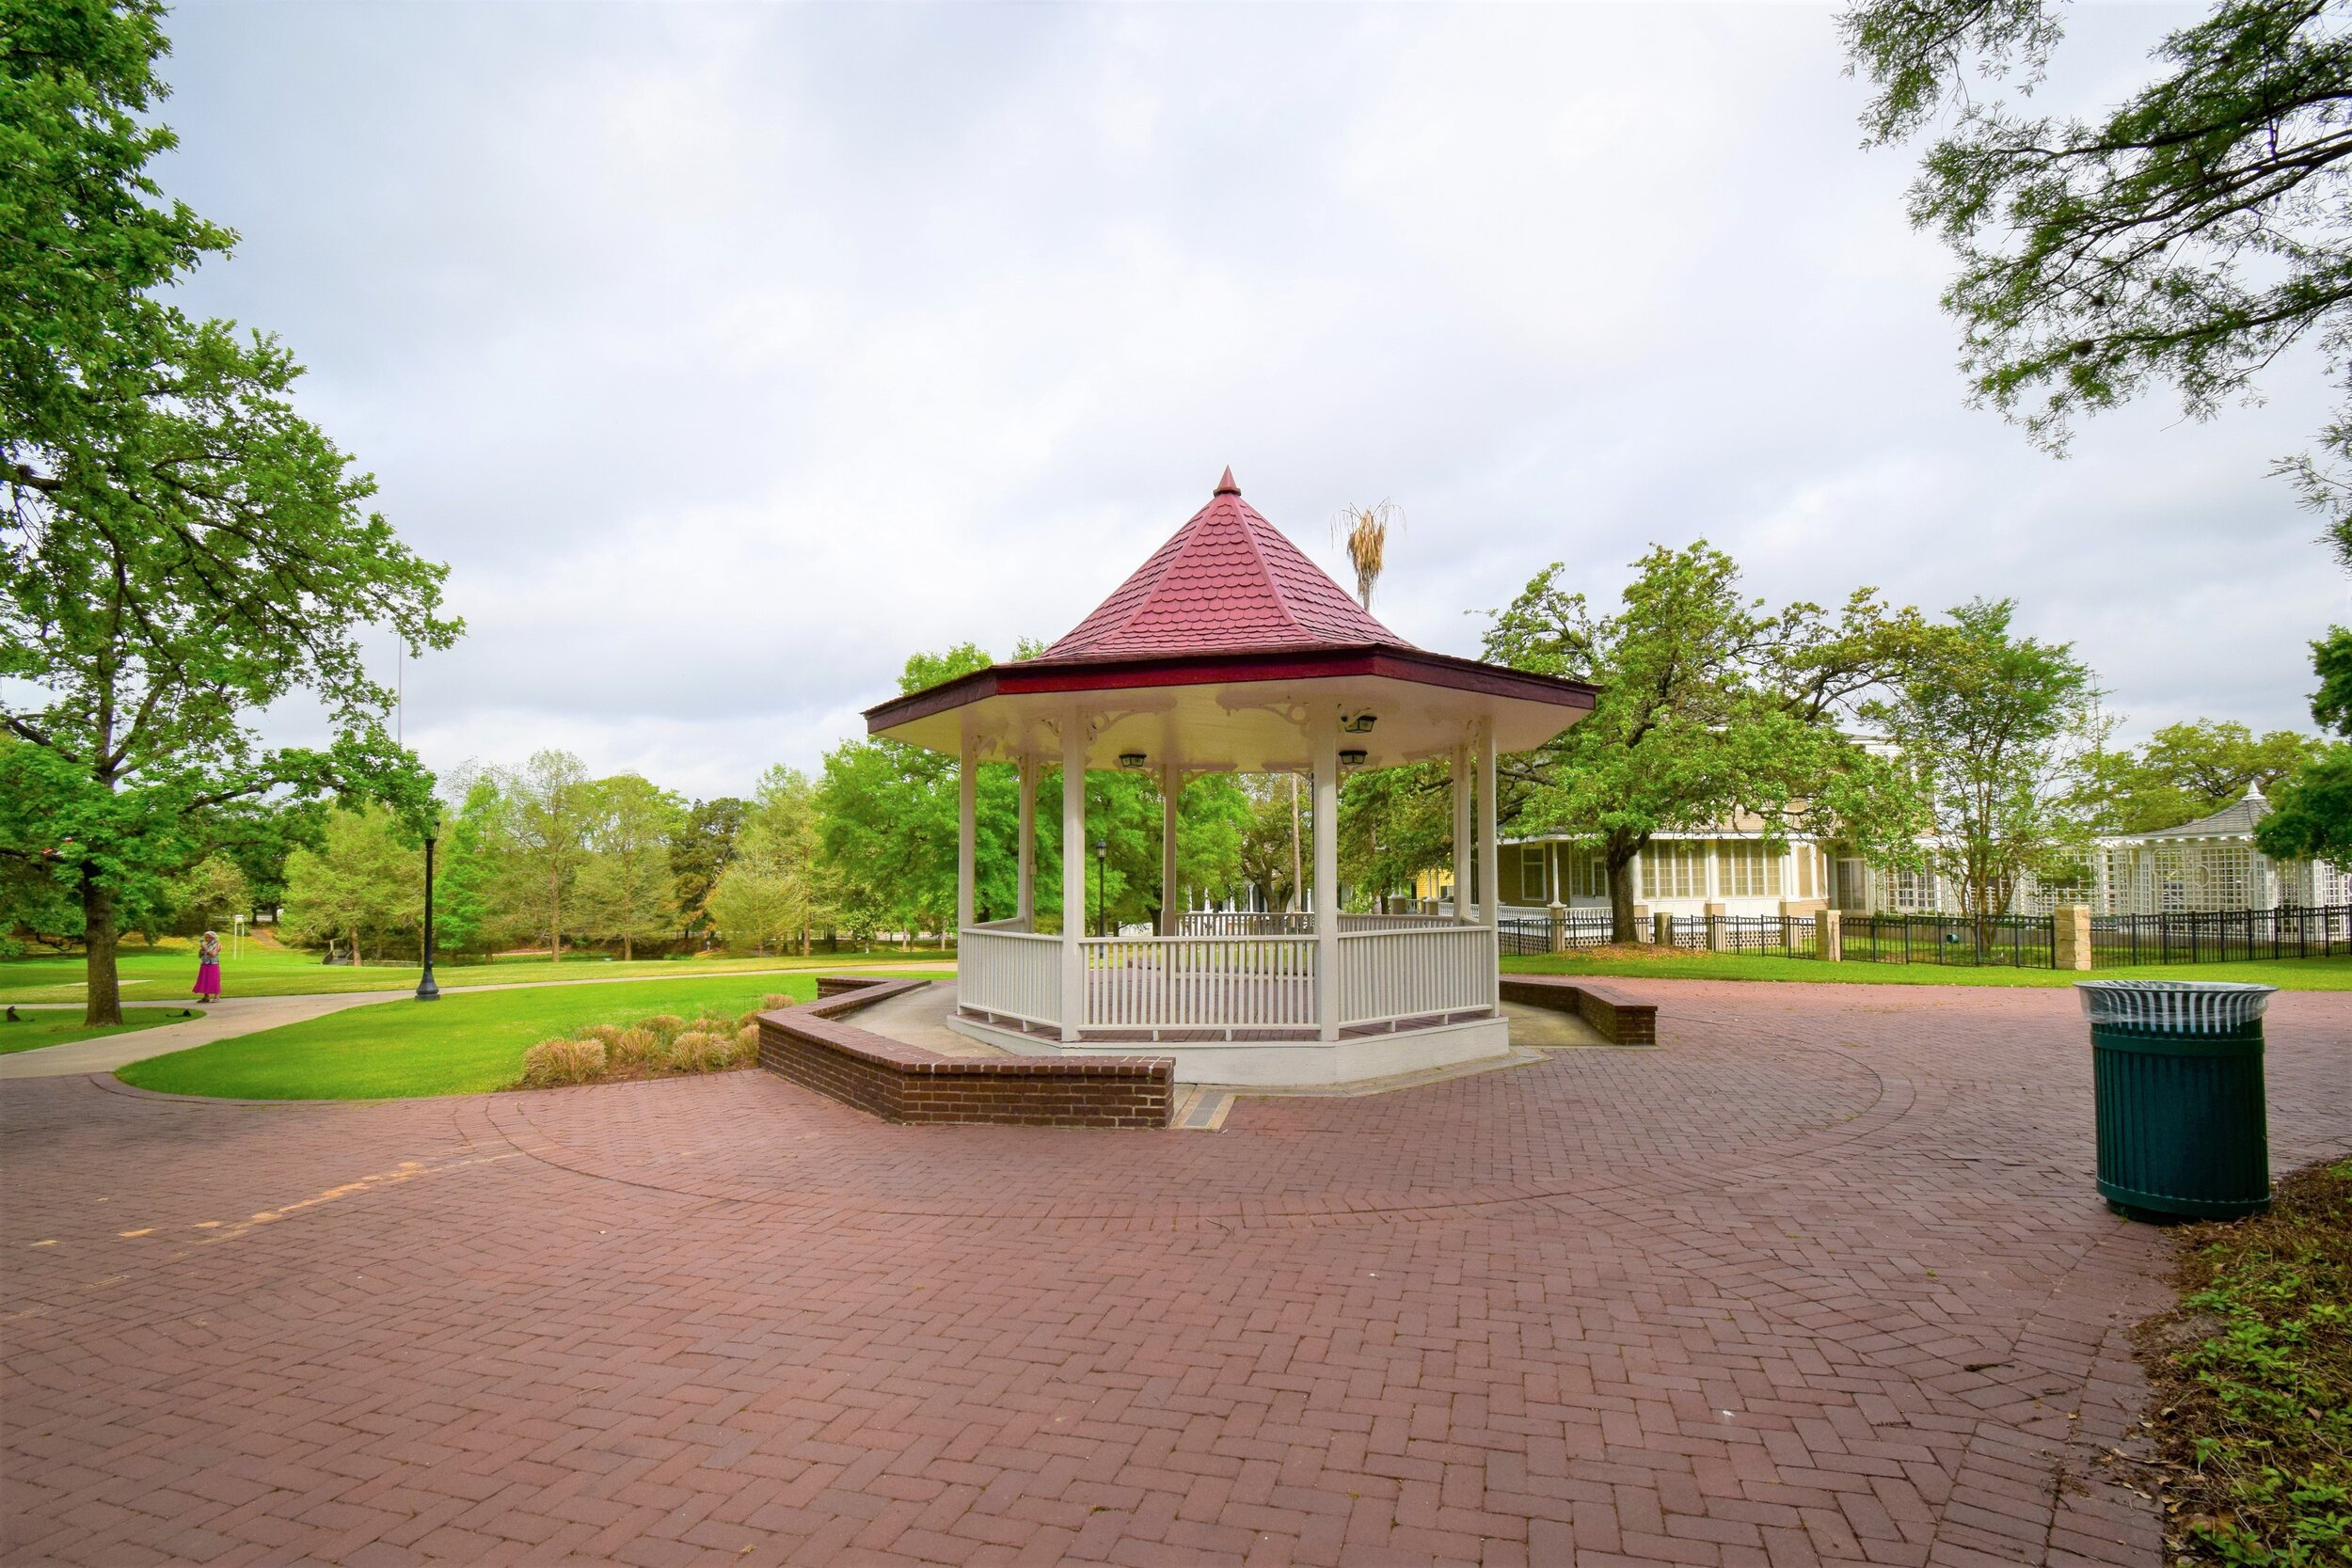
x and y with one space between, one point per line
247 1015
1822 1280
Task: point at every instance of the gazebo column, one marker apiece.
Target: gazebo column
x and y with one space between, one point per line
967 830
1325 738
1074 873
1461 836
1171 785
1027 895
1489 857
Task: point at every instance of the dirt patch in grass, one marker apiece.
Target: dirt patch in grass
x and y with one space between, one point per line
2253 1380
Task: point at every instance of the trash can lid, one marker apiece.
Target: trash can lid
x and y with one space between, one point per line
2174 1007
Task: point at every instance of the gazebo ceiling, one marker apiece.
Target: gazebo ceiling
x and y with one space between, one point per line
1215 653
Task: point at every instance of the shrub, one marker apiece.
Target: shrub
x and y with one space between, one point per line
664 1025
774 1000
630 1050
553 1063
609 1032
686 1052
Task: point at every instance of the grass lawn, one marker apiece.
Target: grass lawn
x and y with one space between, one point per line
166 973
2332 974
458 1045
36 1030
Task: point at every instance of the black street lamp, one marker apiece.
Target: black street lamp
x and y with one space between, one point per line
426 989
1102 914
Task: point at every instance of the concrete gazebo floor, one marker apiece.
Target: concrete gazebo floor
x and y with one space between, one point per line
1823 1278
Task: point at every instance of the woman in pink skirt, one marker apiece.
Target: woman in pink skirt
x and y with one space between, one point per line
208 967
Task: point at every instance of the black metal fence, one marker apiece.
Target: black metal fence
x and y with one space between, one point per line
1519 938
2220 936
2020 941
1789 936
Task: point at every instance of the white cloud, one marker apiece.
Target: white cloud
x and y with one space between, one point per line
731 354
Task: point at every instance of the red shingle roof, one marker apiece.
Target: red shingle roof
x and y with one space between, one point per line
1228 581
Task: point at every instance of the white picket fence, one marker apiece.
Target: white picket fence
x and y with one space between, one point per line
1010 974
1416 972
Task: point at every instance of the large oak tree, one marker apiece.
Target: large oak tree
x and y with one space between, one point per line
178 548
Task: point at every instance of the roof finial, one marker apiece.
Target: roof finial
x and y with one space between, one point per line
1226 486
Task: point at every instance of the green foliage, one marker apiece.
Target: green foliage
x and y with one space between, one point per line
2310 811
2190 236
1709 708
208 895
704 846
465 870
551 808
2187 771
1999 730
775 889
182 549
2331 658
626 889
364 885
2261 1401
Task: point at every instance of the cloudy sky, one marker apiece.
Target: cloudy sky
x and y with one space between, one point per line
730 352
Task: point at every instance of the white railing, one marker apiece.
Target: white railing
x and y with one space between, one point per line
1395 923
1244 923
1387 975
1199 982
1011 923
1009 974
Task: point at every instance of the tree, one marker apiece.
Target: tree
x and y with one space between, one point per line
628 890
2310 816
1997 728
465 871
1708 708
2190 770
363 882
782 845
210 894
755 909
704 844
2190 236
551 806
180 549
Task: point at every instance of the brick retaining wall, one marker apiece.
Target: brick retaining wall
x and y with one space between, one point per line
887 1078
1619 1018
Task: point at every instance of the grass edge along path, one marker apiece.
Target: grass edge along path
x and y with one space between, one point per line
467 1044
2252 1383
34 1031
165 973
1643 962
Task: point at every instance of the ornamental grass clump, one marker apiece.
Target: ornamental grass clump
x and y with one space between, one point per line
773 1001
552 1064
650 1048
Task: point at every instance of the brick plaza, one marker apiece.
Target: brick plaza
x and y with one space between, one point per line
1821 1279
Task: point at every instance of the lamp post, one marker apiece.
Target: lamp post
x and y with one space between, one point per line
1102 914
426 989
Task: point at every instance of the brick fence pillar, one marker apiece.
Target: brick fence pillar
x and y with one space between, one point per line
1663 928
1828 941
1718 934
2069 937
1559 915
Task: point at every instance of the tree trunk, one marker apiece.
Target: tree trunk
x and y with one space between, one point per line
555 918
1617 859
102 1003
627 951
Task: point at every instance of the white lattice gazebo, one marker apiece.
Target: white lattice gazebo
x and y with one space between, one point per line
1228 651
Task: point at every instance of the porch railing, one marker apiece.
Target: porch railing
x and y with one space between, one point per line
1248 982
1386 975
1010 974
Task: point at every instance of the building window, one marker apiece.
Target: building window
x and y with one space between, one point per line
1532 873
1804 853
1911 892
1745 870
1676 868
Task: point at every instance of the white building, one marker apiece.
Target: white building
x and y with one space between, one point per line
2210 864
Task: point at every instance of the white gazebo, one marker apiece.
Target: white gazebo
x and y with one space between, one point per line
1228 651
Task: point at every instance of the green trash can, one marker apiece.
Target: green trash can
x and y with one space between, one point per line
2177 1066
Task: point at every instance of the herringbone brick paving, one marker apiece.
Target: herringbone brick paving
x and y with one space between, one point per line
1821 1280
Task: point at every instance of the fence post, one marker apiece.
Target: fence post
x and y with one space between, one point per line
2069 937
1829 943
1718 931
1559 913
1661 925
